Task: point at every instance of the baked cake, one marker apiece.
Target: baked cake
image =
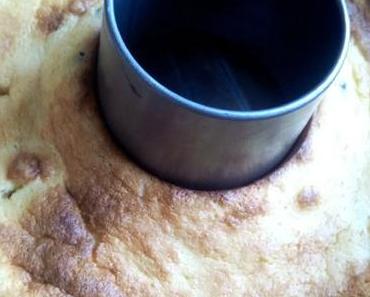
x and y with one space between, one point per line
78 218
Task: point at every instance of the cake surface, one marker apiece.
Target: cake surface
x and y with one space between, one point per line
77 218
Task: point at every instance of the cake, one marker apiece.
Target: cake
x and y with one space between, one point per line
78 218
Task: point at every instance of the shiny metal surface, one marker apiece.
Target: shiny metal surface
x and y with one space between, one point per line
192 144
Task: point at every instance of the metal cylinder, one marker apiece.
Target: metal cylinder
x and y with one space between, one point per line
216 130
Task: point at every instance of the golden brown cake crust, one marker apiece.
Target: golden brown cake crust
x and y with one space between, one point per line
77 218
